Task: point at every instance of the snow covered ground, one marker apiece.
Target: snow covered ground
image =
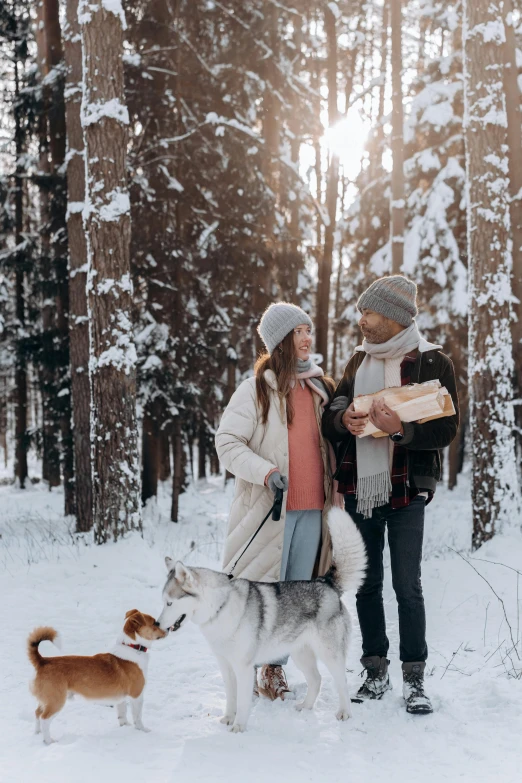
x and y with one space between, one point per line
48 576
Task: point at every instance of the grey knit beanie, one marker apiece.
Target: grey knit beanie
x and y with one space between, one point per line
394 297
278 320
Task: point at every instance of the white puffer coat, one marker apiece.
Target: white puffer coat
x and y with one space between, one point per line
250 450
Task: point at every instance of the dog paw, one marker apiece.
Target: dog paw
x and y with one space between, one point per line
343 714
228 720
49 741
141 727
124 723
237 728
302 705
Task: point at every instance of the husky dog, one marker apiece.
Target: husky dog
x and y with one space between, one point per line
249 623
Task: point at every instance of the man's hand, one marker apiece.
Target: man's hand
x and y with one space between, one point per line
353 421
382 417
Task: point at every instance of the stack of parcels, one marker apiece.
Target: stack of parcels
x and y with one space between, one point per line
418 402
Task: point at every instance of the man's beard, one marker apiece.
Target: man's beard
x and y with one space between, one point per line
377 335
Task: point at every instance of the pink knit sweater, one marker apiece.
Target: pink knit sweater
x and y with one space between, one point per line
306 471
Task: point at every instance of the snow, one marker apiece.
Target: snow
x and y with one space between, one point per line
118 205
48 575
113 109
115 7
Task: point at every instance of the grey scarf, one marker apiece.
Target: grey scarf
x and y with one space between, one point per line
373 467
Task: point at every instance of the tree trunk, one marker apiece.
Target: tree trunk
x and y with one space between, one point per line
514 133
332 187
397 142
178 473
164 465
4 397
47 370
202 452
55 108
116 474
78 320
495 494
20 395
150 454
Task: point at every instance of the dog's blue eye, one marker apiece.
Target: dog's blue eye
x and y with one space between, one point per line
169 603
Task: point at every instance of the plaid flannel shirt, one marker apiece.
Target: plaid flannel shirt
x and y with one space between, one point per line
402 493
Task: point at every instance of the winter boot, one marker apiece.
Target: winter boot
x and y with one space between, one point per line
272 682
417 703
377 679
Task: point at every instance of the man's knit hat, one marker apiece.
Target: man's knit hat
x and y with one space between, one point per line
394 297
278 320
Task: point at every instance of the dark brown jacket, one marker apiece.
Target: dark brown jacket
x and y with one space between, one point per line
423 441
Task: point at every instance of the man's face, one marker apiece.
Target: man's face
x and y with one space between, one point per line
376 328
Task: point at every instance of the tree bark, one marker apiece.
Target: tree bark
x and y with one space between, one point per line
78 320
55 108
116 473
397 142
177 473
495 492
332 187
202 452
150 453
47 282
20 396
514 133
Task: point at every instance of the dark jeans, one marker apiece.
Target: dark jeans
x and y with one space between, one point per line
405 533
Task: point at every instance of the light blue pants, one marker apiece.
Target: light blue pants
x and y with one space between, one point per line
300 546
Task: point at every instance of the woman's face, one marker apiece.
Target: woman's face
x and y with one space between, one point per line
303 341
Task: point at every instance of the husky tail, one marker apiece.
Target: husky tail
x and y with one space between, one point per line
44 634
349 553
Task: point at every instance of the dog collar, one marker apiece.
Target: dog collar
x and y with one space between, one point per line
138 647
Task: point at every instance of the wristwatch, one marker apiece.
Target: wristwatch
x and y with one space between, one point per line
397 437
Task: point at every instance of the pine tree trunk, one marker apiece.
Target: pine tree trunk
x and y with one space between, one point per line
78 320
150 454
48 364
514 128
178 473
202 452
495 494
20 393
4 397
332 187
164 466
397 143
55 106
116 472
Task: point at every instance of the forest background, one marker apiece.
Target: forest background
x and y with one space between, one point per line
169 168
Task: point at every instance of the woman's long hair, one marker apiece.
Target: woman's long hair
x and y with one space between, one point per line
283 363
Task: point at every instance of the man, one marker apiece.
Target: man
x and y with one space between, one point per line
389 481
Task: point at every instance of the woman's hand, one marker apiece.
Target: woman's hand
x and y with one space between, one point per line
276 481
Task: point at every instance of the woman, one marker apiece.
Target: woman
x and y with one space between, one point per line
270 437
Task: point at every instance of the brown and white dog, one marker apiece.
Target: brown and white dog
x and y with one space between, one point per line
115 676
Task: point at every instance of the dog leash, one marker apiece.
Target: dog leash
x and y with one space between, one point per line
276 516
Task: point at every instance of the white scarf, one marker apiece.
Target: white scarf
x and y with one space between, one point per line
373 466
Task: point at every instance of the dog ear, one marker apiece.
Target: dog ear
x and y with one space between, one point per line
131 611
183 574
133 624
169 562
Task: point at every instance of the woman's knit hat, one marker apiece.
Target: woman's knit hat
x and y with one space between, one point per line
278 320
394 297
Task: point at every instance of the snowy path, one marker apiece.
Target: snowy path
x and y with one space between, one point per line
475 733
